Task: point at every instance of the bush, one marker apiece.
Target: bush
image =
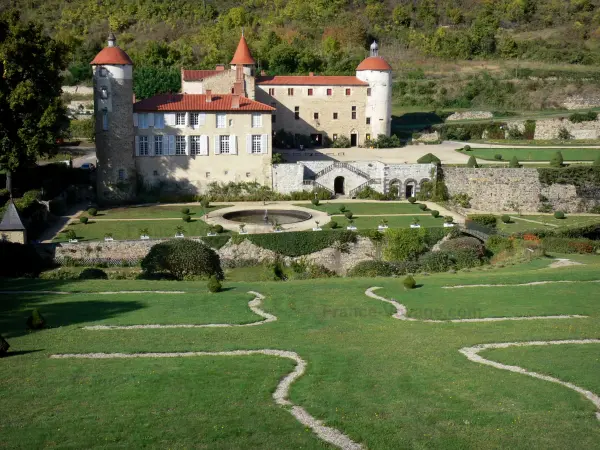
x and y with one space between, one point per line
412 199
342 208
428 159
559 215
348 214
498 244
583 117
409 282
498 157
557 160
185 211
92 212
93 274
183 257
514 163
472 163
487 220
186 218
214 285
563 134
462 243
205 203
299 243
315 201
466 258
278 270
449 219
341 142
218 228
36 321
404 243
467 148
375 268
569 245
436 262
84 220
18 260
332 224
423 207
505 218
3 346
435 213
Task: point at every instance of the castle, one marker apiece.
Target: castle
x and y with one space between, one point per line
220 127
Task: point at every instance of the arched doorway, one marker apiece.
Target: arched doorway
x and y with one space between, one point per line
395 188
410 189
338 185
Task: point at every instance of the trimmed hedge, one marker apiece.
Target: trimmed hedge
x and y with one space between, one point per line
93 274
487 220
429 158
377 268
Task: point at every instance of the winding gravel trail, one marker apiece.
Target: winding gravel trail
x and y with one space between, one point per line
254 304
472 353
402 313
533 283
281 394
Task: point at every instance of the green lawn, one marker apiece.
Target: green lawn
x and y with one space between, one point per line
155 212
518 224
366 208
361 223
94 231
387 384
535 154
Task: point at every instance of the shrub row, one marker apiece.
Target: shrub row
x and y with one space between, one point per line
569 245
487 220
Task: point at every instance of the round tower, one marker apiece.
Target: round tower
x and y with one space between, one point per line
378 73
113 106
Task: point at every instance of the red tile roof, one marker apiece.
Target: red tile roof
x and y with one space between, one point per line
242 54
197 102
112 55
374 63
311 80
198 75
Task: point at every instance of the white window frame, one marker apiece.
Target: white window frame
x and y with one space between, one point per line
143 121
144 146
195 145
194 120
257 120
180 147
224 142
257 144
180 119
159 142
221 120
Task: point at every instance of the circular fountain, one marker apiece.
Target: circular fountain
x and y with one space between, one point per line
267 216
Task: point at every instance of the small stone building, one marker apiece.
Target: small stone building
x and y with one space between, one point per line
11 227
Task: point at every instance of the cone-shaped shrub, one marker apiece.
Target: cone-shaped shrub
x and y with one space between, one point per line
3 346
214 285
472 162
435 213
35 321
557 160
597 161
409 282
514 163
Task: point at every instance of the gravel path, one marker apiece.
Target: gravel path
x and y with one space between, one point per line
402 313
533 283
472 353
281 394
254 304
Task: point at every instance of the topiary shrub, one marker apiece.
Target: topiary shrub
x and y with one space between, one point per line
278 270
467 148
92 212
315 201
498 157
559 215
409 282
423 207
487 220
205 203
185 210
84 220
342 208
428 159
435 262
348 214
412 199
332 224
93 274
36 321
214 285
557 160
435 213
182 257
186 218
3 346
218 228
505 218
472 163
449 219
514 163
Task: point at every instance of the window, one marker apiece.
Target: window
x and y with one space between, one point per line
290 92
194 119
103 71
104 93
368 121
159 121
180 119
256 143
155 173
195 145
272 92
224 144
226 172
368 137
143 121
158 145
247 174
143 150
180 145
207 175
329 91
273 118
335 137
297 112
310 92
221 120
354 112
316 116
348 92
256 120
335 116
121 174
368 92
104 119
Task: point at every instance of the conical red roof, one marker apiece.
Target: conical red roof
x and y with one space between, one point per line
242 54
112 55
374 63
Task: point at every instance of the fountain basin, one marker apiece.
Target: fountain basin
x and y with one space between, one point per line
268 216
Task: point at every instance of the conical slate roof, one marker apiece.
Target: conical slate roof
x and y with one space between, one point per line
11 220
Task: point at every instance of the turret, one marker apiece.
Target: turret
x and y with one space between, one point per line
113 106
243 57
378 73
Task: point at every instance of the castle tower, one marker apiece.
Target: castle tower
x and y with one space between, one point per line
113 106
378 73
243 57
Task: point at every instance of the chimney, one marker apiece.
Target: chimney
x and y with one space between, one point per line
263 73
220 67
238 88
311 74
208 96
235 101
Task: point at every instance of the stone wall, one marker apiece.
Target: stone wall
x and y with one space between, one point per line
470 115
549 128
231 254
581 102
495 189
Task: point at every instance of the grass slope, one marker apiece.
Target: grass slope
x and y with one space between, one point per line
386 383
535 154
155 212
366 208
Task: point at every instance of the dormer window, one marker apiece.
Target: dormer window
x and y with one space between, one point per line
104 92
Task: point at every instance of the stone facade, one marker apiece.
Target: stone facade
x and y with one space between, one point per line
17 236
581 102
499 189
547 129
219 83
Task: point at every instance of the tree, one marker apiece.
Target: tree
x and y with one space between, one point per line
472 162
32 115
557 160
514 163
149 81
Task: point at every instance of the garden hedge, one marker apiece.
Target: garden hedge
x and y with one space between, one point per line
487 220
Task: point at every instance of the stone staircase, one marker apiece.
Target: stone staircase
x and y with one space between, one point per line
342 165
